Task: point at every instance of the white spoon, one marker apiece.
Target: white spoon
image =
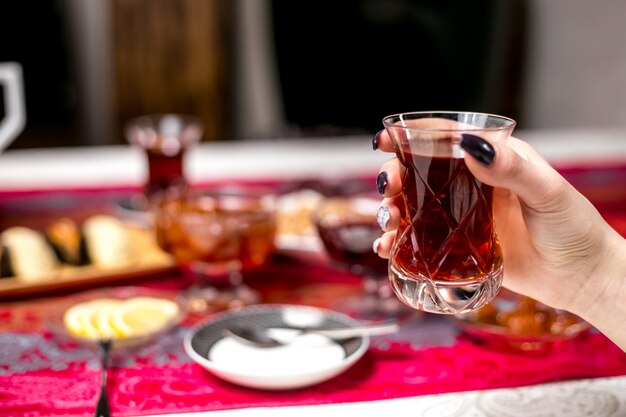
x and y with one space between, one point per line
261 337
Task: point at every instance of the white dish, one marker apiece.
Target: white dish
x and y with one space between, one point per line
304 360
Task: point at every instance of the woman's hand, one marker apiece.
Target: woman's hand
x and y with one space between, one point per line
557 247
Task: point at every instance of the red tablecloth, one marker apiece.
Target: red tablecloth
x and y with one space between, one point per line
42 375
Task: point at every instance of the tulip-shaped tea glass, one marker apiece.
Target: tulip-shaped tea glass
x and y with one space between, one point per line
446 257
165 139
217 235
347 227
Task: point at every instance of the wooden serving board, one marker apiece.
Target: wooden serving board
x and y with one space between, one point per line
150 260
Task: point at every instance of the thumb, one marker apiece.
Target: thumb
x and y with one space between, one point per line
515 165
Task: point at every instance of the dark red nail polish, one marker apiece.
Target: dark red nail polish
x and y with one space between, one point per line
479 148
381 182
375 140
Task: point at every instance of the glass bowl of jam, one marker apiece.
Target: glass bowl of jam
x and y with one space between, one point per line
512 321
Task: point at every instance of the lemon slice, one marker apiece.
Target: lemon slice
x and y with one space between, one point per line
140 316
102 319
82 319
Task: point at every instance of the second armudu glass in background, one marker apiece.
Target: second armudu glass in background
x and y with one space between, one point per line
446 257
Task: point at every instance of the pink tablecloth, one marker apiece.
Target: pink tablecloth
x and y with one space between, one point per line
41 375
44 376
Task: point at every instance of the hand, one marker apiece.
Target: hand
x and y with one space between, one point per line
557 247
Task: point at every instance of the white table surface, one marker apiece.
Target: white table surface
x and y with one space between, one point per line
334 158
125 165
326 158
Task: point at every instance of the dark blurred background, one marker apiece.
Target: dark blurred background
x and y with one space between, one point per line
346 64
283 68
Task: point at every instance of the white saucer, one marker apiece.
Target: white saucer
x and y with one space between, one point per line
305 360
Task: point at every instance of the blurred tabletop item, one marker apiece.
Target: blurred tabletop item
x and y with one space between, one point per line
429 367
165 139
14 117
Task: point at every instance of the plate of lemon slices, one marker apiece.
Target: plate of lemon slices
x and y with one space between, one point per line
128 316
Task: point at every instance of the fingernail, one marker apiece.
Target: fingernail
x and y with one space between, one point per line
381 182
382 216
375 140
479 148
375 245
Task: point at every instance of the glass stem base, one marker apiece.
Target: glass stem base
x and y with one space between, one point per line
212 292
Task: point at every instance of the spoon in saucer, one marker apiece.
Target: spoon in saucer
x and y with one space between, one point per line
262 337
